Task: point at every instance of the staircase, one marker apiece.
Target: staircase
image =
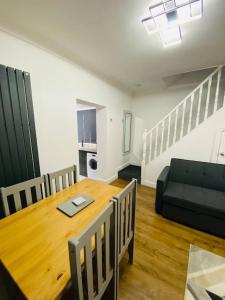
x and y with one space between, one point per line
130 172
205 100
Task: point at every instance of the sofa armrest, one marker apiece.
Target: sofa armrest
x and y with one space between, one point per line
160 188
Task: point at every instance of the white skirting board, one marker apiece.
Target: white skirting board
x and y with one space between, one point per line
115 176
148 183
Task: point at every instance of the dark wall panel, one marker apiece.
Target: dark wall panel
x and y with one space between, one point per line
25 121
6 163
30 111
18 146
17 123
9 123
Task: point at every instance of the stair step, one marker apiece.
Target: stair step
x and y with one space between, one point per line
130 172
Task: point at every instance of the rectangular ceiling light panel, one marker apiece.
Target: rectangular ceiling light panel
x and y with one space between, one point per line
150 25
157 10
167 15
181 2
161 21
184 14
169 5
196 9
171 36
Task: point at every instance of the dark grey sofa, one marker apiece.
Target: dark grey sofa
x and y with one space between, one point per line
193 193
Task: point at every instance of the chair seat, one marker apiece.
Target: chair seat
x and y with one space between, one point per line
199 199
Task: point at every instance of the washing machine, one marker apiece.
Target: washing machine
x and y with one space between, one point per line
92 165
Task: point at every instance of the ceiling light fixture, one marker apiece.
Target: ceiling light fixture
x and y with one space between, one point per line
167 15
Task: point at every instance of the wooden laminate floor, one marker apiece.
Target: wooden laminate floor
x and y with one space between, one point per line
161 253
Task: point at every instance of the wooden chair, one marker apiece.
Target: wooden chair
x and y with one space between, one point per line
23 194
126 211
93 258
61 179
126 220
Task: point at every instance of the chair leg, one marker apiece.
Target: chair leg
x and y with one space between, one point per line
114 288
131 251
117 281
111 291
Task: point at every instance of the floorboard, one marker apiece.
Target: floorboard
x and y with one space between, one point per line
161 253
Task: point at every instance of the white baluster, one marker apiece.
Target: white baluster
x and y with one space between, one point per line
190 113
168 133
217 90
175 126
156 140
199 106
150 146
182 122
144 147
208 97
163 126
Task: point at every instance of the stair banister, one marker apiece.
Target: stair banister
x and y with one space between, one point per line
188 96
217 89
160 134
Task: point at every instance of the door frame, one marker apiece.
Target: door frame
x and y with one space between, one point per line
101 137
216 144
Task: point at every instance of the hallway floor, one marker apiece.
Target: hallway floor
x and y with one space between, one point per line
161 253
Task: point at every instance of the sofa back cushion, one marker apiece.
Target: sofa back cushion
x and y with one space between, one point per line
207 175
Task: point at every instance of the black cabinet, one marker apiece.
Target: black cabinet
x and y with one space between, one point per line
83 162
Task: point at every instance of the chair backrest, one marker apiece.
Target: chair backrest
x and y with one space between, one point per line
93 256
126 216
61 179
23 194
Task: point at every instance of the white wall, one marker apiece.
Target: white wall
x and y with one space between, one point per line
150 108
56 84
200 144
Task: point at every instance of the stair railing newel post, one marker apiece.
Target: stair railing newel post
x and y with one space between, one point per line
145 133
217 89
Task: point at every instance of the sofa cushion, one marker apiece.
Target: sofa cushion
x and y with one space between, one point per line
203 174
196 198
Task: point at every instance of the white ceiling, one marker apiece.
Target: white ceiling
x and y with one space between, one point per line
107 37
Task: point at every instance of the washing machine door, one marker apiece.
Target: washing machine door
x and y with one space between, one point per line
93 164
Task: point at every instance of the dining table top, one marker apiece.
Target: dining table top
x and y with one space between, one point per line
34 240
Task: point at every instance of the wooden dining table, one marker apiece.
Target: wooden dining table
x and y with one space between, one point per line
34 241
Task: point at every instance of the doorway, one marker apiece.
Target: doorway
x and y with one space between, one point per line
90 139
221 150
